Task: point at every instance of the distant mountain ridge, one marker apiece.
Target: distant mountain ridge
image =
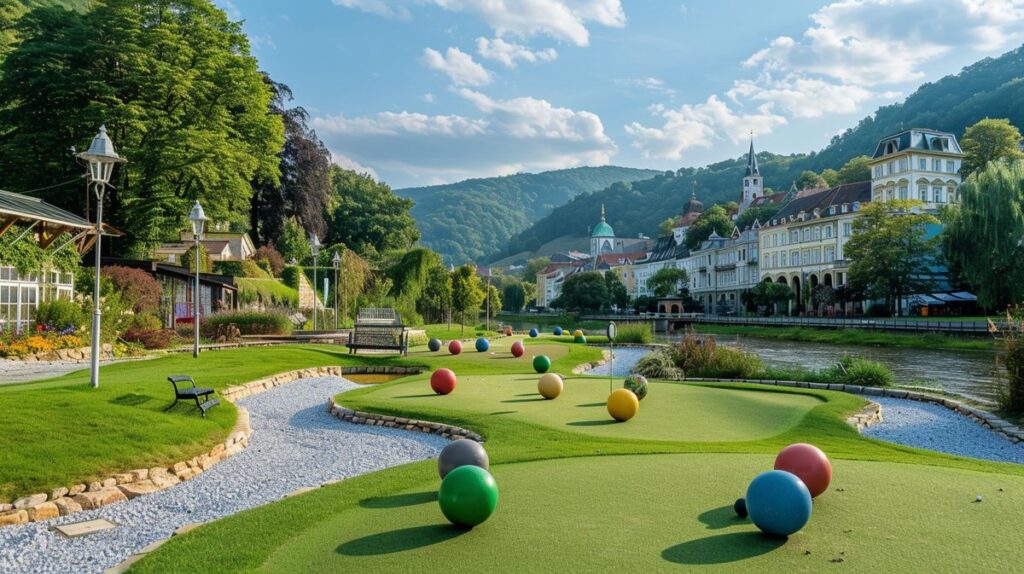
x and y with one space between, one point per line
992 87
467 220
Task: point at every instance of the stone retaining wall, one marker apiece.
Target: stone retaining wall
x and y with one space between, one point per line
130 484
447 431
81 355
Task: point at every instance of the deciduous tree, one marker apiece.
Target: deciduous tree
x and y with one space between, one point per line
667 281
989 140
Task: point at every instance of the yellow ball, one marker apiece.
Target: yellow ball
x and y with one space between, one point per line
550 386
577 333
623 405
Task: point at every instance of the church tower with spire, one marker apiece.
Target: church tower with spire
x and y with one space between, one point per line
753 183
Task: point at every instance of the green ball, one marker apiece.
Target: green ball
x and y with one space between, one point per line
541 363
581 340
468 496
637 384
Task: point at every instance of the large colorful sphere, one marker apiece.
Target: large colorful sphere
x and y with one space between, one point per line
468 496
518 349
460 453
534 334
581 340
778 502
637 384
550 386
558 331
623 405
442 381
809 464
482 345
577 333
541 363
434 345
455 347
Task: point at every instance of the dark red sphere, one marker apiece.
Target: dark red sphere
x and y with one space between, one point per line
809 464
455 347
442 381
518 349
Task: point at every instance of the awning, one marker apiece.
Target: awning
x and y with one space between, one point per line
925 300
48 221
965 296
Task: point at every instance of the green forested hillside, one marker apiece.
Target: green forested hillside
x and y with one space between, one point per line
993 87
467 220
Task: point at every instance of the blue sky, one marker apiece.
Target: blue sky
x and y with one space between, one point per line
419 92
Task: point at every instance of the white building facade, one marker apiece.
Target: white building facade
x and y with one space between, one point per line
722 270
917 164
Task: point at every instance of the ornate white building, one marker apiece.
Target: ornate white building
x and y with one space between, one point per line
917 164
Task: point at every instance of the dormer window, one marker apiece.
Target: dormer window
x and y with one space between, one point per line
844 208
856 206
891 147
939 143
831 210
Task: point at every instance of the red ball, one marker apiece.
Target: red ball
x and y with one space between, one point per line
809 464
455 347
518 349
442 381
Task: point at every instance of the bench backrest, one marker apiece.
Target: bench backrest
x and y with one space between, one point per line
383 316
175 379
385 335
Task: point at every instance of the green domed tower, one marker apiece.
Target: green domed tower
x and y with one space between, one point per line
602 240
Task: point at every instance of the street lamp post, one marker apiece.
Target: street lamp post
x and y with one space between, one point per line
314 245
336 261
101 158
198 219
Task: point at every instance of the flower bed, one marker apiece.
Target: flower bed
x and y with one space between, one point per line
40 342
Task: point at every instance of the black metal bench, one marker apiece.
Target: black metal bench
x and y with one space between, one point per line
193 393
379 329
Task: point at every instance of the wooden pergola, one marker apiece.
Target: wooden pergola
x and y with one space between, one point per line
47 222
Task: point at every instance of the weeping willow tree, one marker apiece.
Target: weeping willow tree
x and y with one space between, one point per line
984 235
354 273
410 277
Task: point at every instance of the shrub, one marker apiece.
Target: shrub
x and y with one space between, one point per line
658 365
136 287
60 315
1011 359
290 276
270 322
150 338
231 268
638 333
269 259
865 373
146 322
266 292
703 357
878 310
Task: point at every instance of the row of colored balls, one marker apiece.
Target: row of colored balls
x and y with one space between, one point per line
779 501
455 347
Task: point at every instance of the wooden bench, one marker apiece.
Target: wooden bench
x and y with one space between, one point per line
193 393
379 329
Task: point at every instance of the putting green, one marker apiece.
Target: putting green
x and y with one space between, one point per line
500 351
671 411
671 513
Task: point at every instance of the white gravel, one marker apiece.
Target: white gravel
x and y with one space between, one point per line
933 427
295 444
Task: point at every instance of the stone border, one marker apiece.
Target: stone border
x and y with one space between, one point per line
131 484
75 355
1004 428
581 369
443 430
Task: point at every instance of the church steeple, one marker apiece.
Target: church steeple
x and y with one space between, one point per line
753 184
752 158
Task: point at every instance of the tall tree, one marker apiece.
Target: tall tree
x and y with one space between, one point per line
854 170
810 180
665 227
179 92
891 254
983 234
713 219
367 216
584 291
533 266
304 189
667 281
437 294
467 293
513 297
292 244
618 296
989 140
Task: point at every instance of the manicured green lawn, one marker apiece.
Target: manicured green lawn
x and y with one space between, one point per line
61 432
854 337
441 331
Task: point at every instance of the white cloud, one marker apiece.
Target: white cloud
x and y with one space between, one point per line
651 84
428 97
385 8
699 125
805 97
350 164
459 66
508 136
509 52
560 19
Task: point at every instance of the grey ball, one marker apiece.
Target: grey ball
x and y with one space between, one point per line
462 452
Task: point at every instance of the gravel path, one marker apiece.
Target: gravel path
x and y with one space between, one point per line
295 444
22 371
924 425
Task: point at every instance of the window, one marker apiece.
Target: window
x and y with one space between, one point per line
923 190
891 167
828 232
847 229
878 171
844 208
939 193
903 192
950 166
775 259
903 164
922 163
794 236
830 254
794 258
817 232
936 165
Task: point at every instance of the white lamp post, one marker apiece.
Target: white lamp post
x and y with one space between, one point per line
198 219
314 245
336 261
101 158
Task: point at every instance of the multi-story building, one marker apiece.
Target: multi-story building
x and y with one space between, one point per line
666 253
917 164
723 269
803 244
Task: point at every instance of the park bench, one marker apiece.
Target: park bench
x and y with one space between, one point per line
198 394
379 329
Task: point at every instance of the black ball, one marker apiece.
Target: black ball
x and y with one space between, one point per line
740 506
434 345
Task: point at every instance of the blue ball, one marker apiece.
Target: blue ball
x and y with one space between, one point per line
482 345
558 331
778 502
534 333
434 345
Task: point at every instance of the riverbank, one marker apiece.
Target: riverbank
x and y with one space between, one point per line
858 337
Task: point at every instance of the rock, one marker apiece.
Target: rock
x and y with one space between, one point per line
140 474
44 511
95 486
103 497
29 501
5 507
13 517
110 483
136 489
124 478
188 473
58 493
67 506
163 479
76 489
179 467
